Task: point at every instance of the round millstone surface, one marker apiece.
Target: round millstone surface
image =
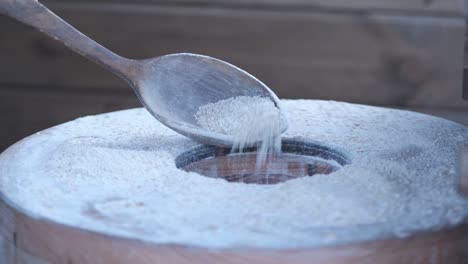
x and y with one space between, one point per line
115 173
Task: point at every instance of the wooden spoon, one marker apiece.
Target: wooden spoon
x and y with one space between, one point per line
171 87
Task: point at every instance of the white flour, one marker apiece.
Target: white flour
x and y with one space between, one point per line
250 120
115 173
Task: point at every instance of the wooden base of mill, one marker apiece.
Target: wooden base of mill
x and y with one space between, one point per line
25 240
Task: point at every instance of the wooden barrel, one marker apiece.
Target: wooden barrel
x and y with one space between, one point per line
27 240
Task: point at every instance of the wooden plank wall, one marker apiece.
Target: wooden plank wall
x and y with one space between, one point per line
392 53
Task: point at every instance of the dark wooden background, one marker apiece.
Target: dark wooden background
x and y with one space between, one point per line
401 53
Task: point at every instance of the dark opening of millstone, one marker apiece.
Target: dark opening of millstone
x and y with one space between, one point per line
298 158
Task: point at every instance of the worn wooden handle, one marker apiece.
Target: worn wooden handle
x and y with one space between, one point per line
34 14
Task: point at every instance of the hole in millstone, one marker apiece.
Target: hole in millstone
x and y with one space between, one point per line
297 159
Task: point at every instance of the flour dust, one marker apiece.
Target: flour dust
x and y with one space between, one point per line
251 121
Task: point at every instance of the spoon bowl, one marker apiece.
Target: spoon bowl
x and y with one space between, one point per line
173 87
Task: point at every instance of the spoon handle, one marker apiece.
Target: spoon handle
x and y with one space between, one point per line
34 14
